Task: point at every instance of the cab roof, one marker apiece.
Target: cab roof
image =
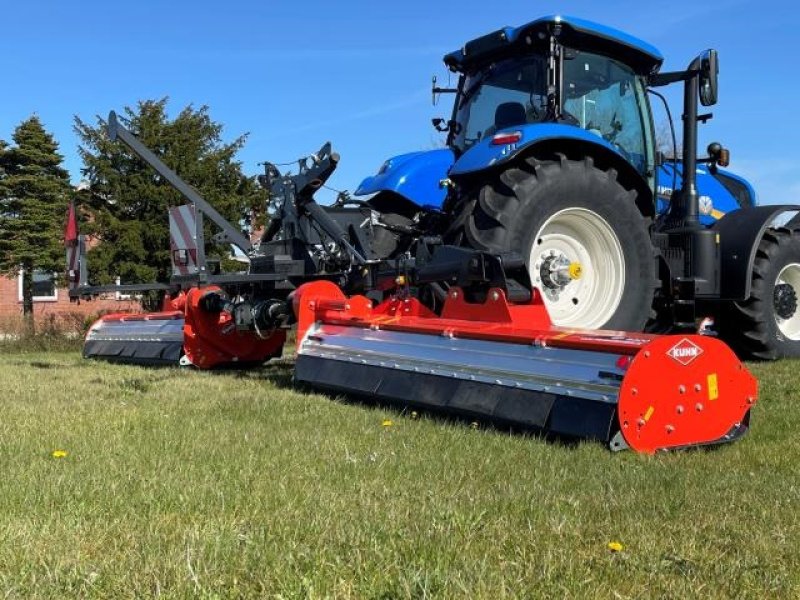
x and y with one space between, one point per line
642 57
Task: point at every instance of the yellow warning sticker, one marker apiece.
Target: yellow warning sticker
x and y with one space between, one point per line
649 413
713 389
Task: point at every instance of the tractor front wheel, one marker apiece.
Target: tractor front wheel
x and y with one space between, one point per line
584 240
766 326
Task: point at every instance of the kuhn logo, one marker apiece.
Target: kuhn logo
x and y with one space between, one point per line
685 351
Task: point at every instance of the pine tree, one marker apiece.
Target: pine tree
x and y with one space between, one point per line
128 201
34 194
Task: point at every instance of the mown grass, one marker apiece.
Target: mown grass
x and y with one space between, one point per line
231 484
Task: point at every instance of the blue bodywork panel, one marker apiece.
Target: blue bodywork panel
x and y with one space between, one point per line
716 200
643 57
415 176
484 154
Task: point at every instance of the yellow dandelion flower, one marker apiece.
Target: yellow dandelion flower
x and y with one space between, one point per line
59 453
615 546
387 423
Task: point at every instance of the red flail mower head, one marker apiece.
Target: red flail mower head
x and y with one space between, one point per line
505 362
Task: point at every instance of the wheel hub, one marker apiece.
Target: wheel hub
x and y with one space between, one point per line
785 301
557 271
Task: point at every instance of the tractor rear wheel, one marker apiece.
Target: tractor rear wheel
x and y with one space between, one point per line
586 244
766 326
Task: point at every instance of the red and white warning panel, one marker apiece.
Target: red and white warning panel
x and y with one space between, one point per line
73 265
505 362
73 243
183 239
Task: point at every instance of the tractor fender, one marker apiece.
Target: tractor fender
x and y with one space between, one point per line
416 176
552 138
740 233
486 153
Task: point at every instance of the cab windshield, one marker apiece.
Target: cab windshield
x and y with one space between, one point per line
599 94
509 93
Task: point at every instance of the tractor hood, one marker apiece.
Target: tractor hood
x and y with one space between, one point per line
415 176
575 33
721 191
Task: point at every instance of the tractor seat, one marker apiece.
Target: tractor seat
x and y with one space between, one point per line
509 114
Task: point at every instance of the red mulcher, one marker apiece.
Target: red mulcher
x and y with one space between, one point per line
506 362
495 360
445 328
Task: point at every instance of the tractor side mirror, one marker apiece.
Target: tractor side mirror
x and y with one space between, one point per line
709 76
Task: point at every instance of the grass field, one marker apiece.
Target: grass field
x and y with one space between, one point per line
185 483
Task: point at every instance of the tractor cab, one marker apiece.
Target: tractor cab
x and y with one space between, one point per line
598 94
555 71
555 79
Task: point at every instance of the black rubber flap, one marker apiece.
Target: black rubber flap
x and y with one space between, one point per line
528 409
141 353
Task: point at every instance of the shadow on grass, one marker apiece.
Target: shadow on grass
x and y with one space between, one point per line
280 373
39 364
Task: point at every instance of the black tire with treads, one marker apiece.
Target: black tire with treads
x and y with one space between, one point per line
507 211
750 327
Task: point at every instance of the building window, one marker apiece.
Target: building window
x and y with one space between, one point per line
119 296
44 286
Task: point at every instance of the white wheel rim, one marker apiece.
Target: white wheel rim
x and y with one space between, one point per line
789 275
580 236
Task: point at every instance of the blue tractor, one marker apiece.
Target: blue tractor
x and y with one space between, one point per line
551 156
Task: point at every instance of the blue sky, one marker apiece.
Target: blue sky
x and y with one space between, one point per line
295 74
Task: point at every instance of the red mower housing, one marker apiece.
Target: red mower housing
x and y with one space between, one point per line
506 362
